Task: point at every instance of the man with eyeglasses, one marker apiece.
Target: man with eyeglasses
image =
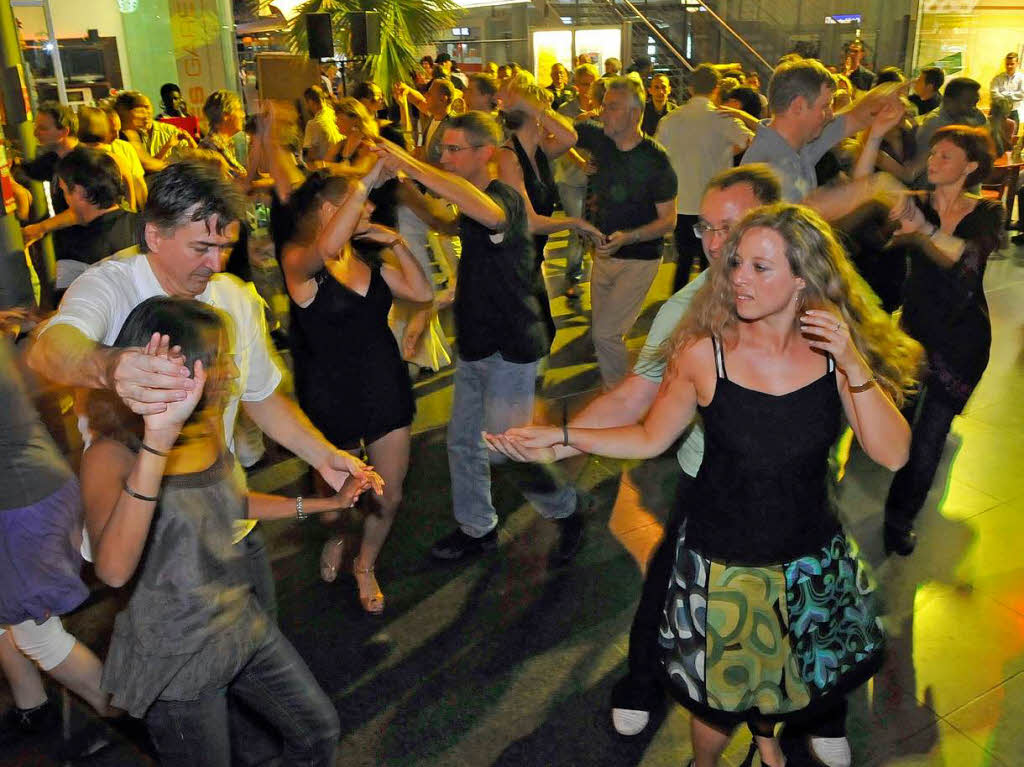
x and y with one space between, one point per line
501 336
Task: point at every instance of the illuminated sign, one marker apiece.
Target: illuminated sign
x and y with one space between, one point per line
843 18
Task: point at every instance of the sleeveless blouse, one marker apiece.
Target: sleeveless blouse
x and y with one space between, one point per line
762 493
192 621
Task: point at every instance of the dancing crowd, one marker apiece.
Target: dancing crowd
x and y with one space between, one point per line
831 240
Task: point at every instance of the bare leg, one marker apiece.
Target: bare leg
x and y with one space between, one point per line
708 743
22 674
80 672
389 456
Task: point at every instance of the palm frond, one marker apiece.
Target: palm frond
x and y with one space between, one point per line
405 25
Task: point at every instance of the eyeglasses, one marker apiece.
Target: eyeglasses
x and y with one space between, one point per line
455 148
703 227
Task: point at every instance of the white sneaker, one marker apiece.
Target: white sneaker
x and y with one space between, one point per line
833 752
629 721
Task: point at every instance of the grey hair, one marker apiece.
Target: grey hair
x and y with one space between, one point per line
631 85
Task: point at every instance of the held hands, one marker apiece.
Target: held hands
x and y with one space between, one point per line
149 380
588 230
163 427
829 332
910 216
339 466
393 157
526 444
888 117
613 242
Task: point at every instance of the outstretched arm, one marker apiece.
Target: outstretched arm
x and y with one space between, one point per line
471 201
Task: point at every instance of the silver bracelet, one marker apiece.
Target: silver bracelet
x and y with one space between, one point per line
299 513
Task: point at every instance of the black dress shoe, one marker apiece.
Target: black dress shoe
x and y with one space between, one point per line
899 541
457 545
570 539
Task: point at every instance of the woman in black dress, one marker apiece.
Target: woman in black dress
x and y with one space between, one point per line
949 235
349 375
537 135
767 618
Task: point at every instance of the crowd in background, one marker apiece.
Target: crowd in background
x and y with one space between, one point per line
831 234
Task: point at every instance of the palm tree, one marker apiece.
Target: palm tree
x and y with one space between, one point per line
404 25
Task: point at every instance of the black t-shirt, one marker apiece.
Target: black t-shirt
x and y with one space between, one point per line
924 106
44 168
626 187
98 239
496 305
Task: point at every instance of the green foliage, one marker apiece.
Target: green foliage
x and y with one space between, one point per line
405 25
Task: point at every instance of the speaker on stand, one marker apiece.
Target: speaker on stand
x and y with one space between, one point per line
319 35
364 33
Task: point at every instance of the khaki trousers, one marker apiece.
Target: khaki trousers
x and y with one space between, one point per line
618 287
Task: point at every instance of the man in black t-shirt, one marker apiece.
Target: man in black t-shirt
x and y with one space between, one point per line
499 333
926 87
92 184
633 202
56 130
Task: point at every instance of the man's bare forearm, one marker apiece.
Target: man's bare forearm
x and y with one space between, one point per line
64 354
285 423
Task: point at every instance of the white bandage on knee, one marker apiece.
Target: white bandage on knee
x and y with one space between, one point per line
832 752
47 643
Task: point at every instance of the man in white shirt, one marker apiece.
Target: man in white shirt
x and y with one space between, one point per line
189 225
701 142
321 133
1010 84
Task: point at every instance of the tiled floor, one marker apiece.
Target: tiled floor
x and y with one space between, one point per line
502 662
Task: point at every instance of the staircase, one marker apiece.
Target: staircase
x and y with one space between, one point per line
675 34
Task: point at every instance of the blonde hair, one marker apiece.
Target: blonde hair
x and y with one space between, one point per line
831 283
354 110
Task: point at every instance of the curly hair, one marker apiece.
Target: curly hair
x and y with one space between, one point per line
831 282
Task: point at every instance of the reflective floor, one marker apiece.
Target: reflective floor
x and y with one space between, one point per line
501 661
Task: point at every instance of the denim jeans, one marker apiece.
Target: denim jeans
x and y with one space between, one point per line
493 395
276 683
572 198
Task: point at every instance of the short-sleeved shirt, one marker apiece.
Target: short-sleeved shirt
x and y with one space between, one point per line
44 168
496 306
627 187
651 365
566 171
99 301
795 169
699 140
321 134
924 106
31 465
652 116
87 244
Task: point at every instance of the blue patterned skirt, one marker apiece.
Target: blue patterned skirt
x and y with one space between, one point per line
775 643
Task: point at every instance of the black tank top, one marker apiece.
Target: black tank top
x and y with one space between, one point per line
762 493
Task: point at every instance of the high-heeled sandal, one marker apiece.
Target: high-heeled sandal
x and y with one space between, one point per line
374 603
330 558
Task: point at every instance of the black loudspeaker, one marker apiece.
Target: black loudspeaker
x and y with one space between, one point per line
318 32
364 33
92 35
